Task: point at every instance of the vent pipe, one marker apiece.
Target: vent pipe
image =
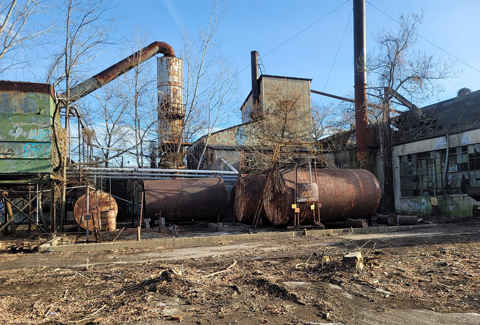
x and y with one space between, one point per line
255 82
463 91
116 70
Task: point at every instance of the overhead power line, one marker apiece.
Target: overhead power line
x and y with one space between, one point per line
338 50
300 32
311 25
438 47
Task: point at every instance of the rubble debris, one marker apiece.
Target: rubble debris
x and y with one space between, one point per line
277 281
24 247
277 290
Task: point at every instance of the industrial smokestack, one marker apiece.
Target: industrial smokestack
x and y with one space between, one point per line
171 110
255 83
360 55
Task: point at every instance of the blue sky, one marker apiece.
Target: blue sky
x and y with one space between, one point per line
451 26
309 51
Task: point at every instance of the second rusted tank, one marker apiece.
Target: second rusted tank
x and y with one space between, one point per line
338 194
96 210
248 189
181 200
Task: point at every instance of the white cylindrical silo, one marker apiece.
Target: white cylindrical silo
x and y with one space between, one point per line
171 109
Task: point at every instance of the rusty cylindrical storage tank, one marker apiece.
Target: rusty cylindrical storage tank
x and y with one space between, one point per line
248 190
185 199
343 194
95 204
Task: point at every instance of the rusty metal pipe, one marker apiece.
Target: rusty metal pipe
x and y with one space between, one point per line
360 60
116 70
255 82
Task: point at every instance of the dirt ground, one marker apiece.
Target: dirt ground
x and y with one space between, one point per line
427 275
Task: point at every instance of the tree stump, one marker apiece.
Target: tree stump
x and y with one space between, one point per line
353 260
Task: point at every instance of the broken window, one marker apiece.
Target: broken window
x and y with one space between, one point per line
474 165
427 173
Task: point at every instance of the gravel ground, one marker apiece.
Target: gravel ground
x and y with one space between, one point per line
420 276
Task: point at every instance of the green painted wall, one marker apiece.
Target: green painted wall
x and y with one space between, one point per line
26 134
456 205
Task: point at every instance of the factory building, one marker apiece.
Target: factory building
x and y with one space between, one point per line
435 157
280 112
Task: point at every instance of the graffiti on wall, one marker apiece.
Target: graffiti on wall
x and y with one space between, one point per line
37 150
30 150
230 137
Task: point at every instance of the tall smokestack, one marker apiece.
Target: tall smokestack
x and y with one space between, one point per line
255 83
360 56
170 97
171 110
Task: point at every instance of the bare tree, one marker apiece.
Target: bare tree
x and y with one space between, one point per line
213 104
210 83
414 74
284 122
86 29
328 119
19 30
108 119
402 68
140 91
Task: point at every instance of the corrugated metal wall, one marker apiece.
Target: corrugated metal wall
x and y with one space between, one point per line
26 134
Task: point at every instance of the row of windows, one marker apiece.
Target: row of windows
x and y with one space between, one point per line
423 174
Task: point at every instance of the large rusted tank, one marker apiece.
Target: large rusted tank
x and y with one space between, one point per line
248 189
342 193
102 208
185 199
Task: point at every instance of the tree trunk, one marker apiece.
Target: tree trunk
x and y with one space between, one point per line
386 154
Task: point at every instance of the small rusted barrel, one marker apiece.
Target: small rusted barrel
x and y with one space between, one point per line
248 191
185 199
108 220
93 206
342 193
